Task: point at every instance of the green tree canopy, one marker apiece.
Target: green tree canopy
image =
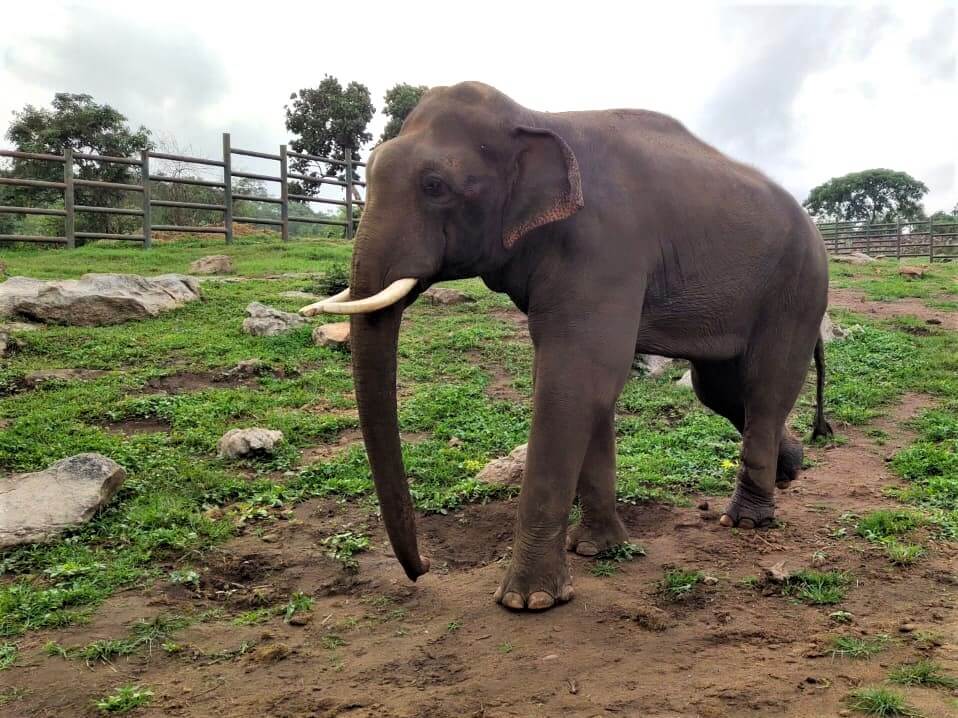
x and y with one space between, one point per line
77 122
400 100
328 121
877 195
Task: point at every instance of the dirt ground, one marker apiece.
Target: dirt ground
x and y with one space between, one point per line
379 646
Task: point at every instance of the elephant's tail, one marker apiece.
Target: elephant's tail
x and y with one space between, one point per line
821 428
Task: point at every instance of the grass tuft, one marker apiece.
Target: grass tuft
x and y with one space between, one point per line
855 647
880 702
922 673
125 699
818 588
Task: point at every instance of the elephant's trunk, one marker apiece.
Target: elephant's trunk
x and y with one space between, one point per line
374 338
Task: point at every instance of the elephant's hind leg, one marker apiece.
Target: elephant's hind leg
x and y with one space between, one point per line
600 527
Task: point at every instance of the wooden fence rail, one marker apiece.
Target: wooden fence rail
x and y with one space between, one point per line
935 239
148 180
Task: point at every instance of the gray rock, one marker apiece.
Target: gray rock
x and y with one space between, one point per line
445 296
96 299
686 380
213 264
334 336
305 296
651 364
5 343
237 443
507 470
830 331
37 378
853 258
264 321
38 506
247 368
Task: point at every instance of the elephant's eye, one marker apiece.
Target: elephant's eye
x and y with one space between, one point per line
432 186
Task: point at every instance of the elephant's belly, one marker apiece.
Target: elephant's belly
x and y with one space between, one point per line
695 333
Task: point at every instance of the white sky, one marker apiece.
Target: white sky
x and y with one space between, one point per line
803 92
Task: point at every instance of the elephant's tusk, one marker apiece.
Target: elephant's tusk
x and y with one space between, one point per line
317 307
390 295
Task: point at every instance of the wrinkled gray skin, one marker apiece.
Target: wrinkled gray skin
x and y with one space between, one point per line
616 232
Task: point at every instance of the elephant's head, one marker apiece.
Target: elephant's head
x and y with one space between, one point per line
450 197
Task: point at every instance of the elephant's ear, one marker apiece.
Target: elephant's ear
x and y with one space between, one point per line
546 184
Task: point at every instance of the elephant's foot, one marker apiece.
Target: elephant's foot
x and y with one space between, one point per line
593 537
790 457
749 509
535 585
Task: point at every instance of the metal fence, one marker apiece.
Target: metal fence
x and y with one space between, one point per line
935 239
147 179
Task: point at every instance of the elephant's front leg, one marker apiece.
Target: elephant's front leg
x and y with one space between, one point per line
578 379
600 527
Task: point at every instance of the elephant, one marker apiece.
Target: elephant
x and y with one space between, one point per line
615 232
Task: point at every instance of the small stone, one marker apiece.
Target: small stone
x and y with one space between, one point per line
247 368
829 331
506 470
455 442
264 321
237 443
937 616
300 619
907 627
270 654
332 336
703 506
652 618
550 657
710 580
213 264
270 538
776 573
445 296
933 321
844 712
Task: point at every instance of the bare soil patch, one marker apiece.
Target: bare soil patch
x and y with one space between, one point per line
377 645
146 425
187 381
857 301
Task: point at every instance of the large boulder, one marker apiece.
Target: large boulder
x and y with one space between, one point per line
264 321
685 380
333 336
506 470
213 264
96 299
829 331
445 296
237 443
38 506
651 365
853 258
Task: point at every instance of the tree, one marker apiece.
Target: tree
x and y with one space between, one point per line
328 121
400 100
877 195
75 122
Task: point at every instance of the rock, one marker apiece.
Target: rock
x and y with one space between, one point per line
651 364
907 627
305 296
213 264
911 272
333 336
445 296
853 258
686 380
776 573
703 506
96 299
829 331
237 443
710 581
38 506
264 321
300 619
247 368
38 378
506 470
652 618
455 442
270 654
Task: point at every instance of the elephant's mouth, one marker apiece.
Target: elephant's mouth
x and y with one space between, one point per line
342 304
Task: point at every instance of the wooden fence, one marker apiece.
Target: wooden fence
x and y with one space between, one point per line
148 179
935 239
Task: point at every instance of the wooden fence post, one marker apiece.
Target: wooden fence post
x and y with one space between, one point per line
898 238
147 218
349 193
931 241
868 238
284 192
69 220
227 188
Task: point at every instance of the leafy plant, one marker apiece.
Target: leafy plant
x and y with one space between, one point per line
125 699
622 552
299 602
679 583
603 569
8 654
344 546
817 587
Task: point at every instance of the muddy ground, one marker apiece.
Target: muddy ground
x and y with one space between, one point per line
377 645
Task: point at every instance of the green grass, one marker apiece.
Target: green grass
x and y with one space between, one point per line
603 569
887 523
922 673
679 583
818 588
8 654
858 647
880 702
881 282
298 603
124 699
902 554
344 546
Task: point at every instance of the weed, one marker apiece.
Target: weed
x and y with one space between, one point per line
504 648
125 699
622 552
298 603
254 617
840 616
886 523
855 647
902 554
8 654
453 626
679 583
9 695
819 588
603 569
880 702
187 577
344 546
922 673
331 642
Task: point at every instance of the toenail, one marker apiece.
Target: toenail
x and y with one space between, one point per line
540 600
567 593
746 524
586 548
726 520
513 600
